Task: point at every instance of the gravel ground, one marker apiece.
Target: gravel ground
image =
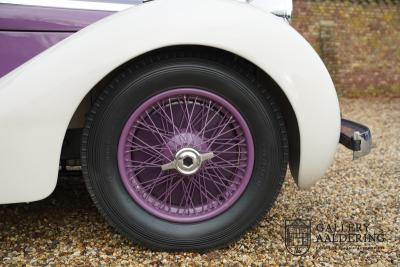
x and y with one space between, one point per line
66 229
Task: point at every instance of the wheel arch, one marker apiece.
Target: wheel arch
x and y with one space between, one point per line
263 79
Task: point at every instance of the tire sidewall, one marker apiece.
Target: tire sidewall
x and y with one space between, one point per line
124 95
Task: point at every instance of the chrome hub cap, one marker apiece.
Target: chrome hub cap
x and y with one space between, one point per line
187 161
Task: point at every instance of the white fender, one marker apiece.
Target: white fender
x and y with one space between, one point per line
38 99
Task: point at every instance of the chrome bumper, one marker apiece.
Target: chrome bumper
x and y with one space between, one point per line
356 137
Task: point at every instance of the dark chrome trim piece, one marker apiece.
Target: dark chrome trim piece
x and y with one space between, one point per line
280 8
283 14
356 137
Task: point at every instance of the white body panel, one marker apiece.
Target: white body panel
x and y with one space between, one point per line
38 99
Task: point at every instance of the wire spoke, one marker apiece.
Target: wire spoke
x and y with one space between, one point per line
197 123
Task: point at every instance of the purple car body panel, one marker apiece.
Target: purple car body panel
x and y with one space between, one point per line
30 18
18 47
25 31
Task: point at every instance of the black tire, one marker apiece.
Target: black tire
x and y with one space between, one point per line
155 74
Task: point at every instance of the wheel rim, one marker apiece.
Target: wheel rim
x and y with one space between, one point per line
185 155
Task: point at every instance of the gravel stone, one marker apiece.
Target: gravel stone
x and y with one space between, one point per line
66 229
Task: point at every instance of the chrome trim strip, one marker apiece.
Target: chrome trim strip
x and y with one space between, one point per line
366 143
280 8
283 14
71 4
356 137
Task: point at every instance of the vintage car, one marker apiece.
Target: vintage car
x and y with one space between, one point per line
183 114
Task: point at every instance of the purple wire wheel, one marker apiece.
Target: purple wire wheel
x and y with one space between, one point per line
185 155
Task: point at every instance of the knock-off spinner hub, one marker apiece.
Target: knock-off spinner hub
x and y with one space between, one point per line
187 161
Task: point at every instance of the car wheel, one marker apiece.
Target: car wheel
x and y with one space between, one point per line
184 153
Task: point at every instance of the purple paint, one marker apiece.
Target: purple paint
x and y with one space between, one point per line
30 18
169 122
26 31
18 47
